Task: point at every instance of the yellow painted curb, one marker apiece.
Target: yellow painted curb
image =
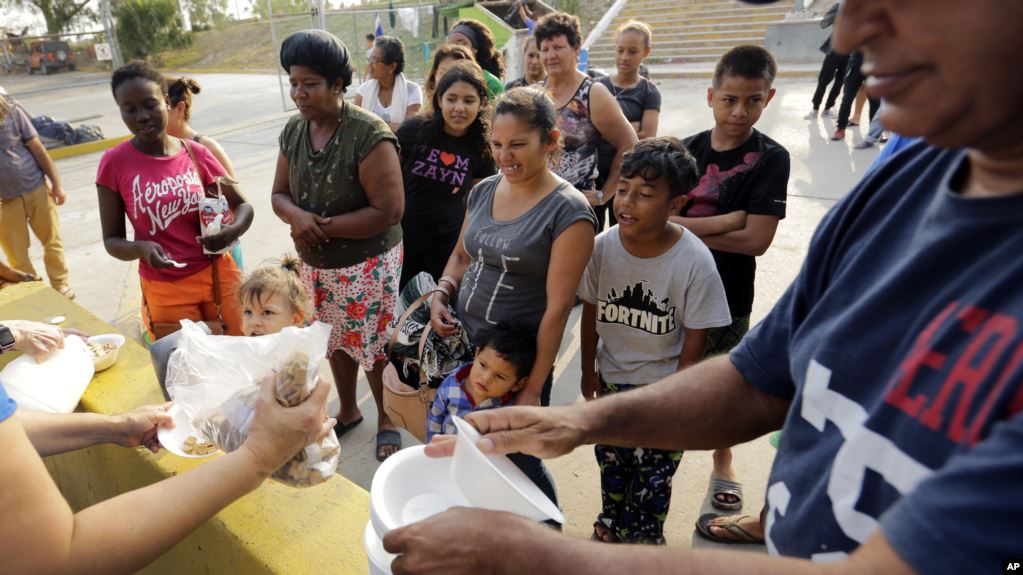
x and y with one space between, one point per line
86 148
275 530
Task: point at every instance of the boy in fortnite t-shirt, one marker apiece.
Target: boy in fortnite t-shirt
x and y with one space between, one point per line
737 204
651 293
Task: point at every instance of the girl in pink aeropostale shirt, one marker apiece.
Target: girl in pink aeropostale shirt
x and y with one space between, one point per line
158 182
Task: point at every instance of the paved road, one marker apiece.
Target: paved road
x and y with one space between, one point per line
244 113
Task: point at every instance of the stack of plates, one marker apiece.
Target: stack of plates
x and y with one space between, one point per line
410 487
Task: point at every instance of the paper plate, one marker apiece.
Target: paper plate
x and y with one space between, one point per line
173 440
494 482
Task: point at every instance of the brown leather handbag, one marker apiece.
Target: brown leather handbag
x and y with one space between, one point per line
407 406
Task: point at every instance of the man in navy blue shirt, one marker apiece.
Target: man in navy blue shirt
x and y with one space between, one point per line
894 362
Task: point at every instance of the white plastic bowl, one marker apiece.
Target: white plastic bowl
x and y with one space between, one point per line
408 487
379 559
108 359
494 482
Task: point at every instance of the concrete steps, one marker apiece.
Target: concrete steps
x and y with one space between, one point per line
691 31
644 11
685 31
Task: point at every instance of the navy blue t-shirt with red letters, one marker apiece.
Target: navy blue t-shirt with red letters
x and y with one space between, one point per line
900 346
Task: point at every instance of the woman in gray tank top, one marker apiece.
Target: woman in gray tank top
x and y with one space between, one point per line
519 225
525 242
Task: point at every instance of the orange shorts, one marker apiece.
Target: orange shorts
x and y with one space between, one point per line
192 297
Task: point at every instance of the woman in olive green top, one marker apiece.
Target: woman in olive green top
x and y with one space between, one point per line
338 185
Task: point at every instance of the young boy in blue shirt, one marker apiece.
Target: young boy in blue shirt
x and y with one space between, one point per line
501 368
651 292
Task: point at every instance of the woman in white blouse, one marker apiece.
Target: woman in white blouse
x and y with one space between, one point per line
388 93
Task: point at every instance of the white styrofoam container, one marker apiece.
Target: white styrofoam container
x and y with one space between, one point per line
55 385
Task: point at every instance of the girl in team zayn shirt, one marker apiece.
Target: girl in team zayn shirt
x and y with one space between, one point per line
444 153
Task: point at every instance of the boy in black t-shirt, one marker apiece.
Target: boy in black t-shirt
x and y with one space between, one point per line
737 204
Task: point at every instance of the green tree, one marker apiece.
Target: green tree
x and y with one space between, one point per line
147 27
206 14
259 7
59 14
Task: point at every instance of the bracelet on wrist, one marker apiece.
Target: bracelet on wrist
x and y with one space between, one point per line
443 291
450 281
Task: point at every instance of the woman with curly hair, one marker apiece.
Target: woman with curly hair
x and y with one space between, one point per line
587 111
475 36
445 152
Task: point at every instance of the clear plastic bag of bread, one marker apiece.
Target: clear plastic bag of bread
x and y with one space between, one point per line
216 380
228 425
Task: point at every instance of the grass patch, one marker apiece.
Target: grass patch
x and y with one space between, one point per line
246 46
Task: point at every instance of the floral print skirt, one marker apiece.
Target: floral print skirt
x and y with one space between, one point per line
358 302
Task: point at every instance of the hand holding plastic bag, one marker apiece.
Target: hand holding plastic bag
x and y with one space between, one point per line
216 380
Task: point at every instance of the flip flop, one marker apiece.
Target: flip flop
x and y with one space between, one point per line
387 437
726 487
731 526
596 536
343 428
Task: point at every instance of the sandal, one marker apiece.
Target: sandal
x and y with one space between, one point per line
732 526
17 276
723 488
596 536
66 292
343 428
386 437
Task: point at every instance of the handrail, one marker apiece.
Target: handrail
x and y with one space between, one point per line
604 23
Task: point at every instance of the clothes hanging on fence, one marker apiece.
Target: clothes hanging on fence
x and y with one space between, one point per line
408 19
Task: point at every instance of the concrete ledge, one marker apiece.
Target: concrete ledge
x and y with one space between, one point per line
86 148
797 40
275 529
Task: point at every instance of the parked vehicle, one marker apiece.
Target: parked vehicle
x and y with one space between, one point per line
50 55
